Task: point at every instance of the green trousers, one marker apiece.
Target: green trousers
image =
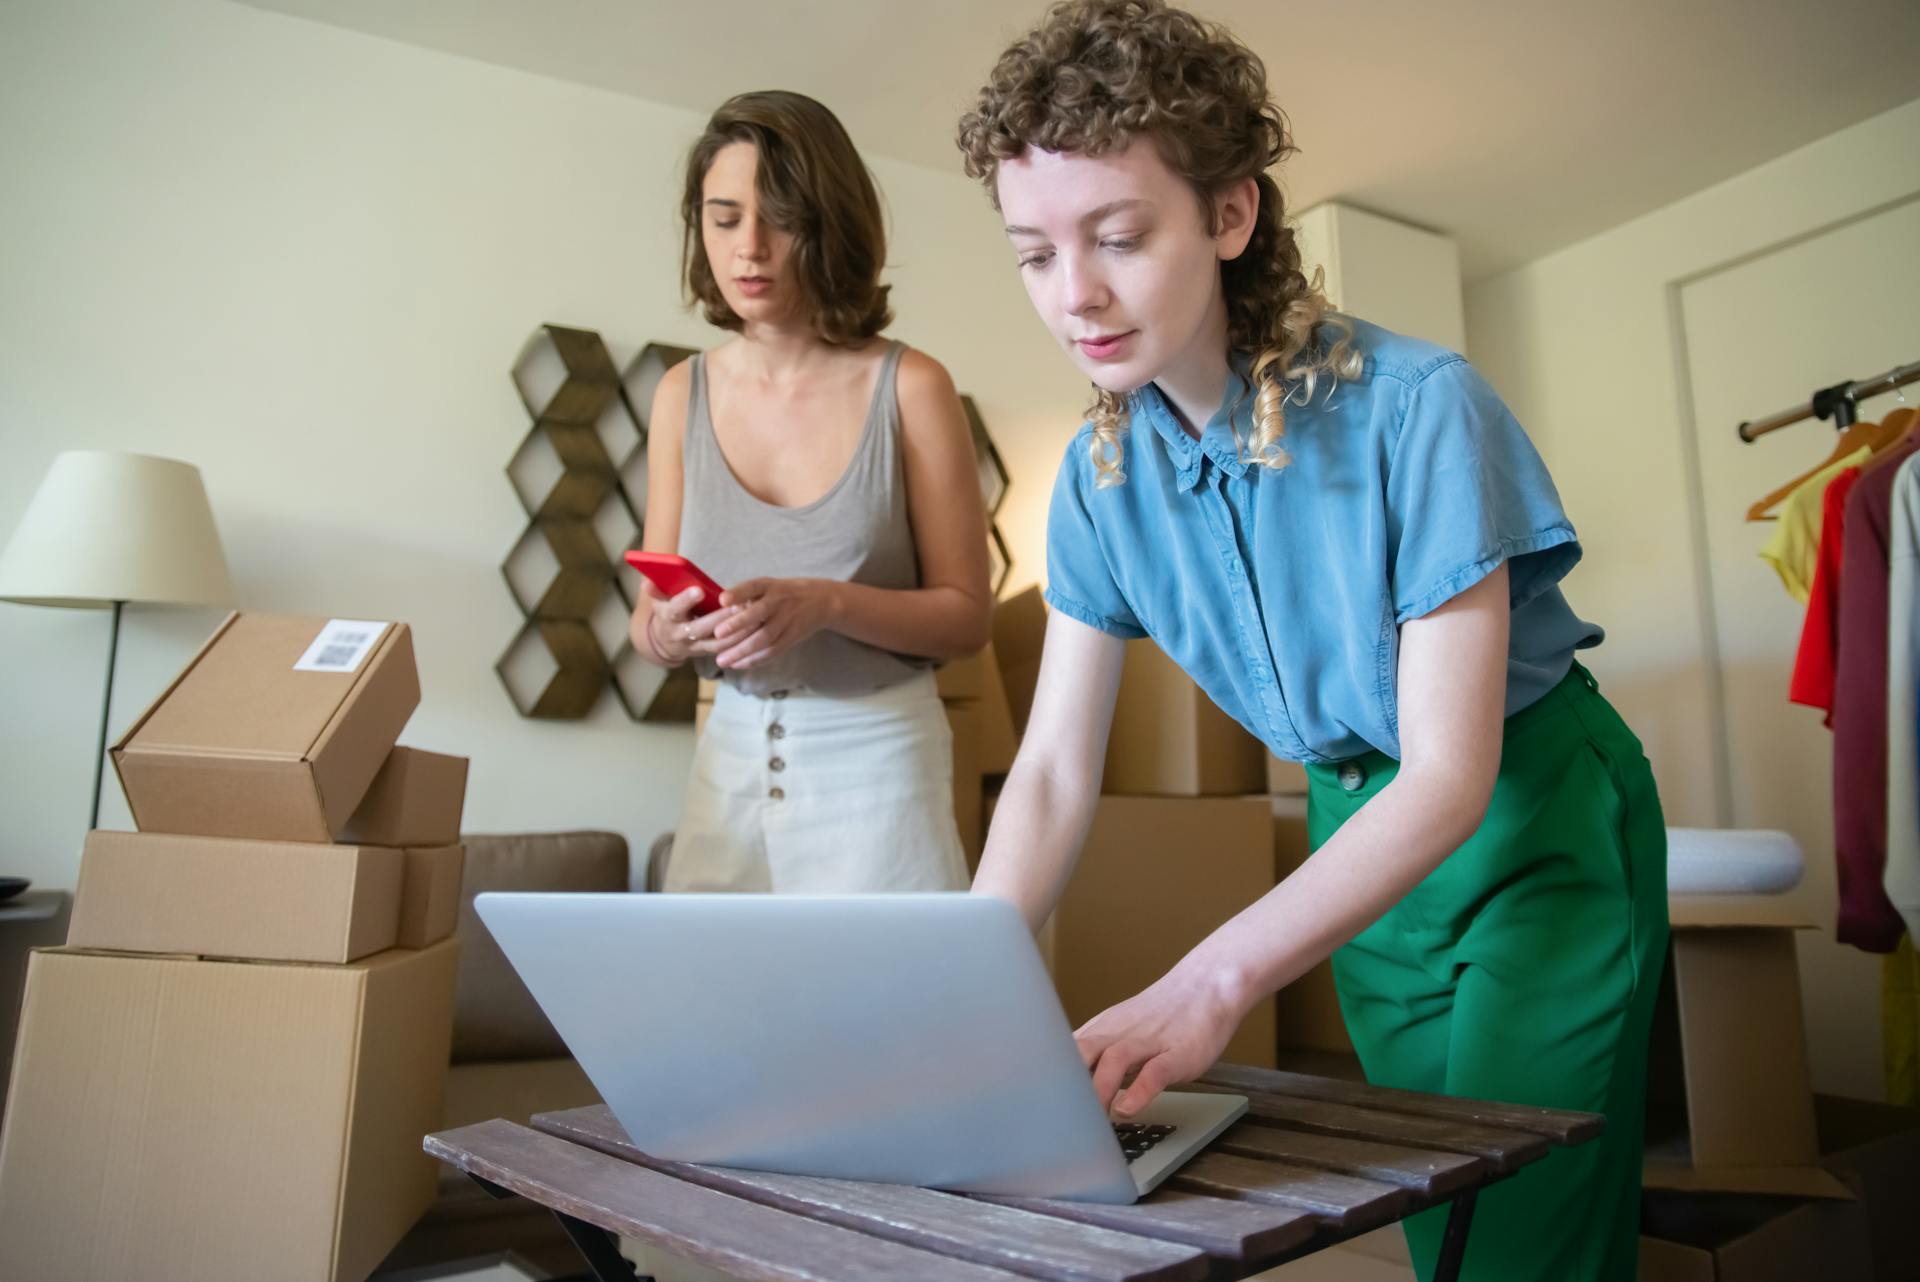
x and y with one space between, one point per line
1524 968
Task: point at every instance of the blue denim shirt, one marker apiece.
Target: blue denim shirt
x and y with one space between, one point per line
1282 592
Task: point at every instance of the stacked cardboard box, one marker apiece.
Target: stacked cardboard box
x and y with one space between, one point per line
227 1071
1182 840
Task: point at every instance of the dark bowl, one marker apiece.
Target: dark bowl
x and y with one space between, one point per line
11 886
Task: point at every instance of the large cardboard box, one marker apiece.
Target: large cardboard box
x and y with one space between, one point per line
1722 1237
429 894
1729 1092
149 892
976 681
1171 740
209 1121
1019 632
1307 1011
415 800
1158 875
274 731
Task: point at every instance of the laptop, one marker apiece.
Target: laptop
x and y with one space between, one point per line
906 1038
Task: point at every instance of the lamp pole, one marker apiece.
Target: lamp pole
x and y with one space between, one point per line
106 706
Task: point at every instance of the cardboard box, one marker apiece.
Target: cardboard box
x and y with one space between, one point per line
1307 1011
1874 1149
1722 1237
1729 1092
1170 740
969 801
213 1121
415 800
1285 778
1019 632
246 742
151 892
429 894
1156 877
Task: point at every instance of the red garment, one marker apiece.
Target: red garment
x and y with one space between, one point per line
1813 665
1867 918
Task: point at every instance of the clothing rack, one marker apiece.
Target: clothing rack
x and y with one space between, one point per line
1841 402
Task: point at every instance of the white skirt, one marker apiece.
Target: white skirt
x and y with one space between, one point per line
814 794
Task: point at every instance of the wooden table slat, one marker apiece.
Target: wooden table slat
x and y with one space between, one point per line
1340 1200
1425 1171
1562 1126
1506 1150
1038 1246
755 1242
1226 1229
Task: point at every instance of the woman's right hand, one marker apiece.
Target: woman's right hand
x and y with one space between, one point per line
673 630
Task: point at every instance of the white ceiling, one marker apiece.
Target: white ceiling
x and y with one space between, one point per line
1516 126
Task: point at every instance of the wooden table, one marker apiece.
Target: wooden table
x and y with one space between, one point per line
1315 1161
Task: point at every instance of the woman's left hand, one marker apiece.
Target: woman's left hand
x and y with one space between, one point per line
773 616
1173 1032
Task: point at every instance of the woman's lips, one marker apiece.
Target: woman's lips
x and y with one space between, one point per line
1106 346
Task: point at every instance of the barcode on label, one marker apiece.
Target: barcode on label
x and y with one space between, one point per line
335 656
341 646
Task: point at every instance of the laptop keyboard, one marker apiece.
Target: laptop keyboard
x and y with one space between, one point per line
1136 1138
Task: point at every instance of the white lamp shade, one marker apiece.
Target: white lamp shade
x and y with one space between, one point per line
106 526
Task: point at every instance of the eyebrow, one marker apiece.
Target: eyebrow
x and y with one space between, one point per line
717 200
1093 215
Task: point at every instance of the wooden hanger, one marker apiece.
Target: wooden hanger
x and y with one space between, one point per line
1853 438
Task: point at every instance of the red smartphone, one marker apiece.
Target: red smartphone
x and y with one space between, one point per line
674 575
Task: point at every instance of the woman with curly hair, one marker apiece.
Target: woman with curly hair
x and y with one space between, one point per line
825 475
1345 538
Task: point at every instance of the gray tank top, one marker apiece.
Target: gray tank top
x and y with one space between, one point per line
857 532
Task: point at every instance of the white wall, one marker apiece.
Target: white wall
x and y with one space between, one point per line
303 259
1389 272
1631 357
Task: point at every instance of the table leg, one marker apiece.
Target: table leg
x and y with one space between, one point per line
597 1246
600 1249
1453 1245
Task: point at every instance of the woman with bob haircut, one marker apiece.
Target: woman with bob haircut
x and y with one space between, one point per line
826 475
1346 539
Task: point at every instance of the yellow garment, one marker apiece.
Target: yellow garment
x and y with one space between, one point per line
1900 1022
1795 540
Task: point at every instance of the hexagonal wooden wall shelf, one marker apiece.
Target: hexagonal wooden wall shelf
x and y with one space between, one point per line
580 476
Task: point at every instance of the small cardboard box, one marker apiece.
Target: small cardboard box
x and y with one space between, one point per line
1170 740
429 894
274 731
177 1120
1019 632
1730 1237
1729 1091
415 800
1157 875
1307 1011
148 892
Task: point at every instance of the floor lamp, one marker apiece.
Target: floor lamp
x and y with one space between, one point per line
109 529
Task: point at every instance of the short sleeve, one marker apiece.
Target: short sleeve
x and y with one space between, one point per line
1080 581
1466 493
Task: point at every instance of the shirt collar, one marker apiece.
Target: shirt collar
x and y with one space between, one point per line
1219 440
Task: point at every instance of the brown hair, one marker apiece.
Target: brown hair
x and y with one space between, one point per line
1096 74
812 184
